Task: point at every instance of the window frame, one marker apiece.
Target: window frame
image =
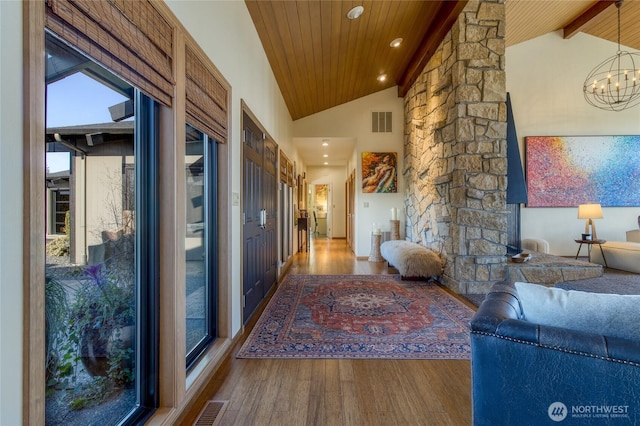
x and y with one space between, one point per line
147 243
146 134
210 193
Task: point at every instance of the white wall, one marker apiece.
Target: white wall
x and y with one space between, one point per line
353 119
225 32
336 177
10 213
545 77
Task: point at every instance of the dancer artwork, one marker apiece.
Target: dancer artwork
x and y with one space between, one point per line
379 172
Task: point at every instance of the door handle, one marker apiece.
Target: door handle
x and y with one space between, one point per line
263 218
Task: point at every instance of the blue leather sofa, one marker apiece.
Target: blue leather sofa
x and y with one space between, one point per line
530 374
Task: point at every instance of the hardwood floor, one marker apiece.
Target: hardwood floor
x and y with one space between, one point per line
339 391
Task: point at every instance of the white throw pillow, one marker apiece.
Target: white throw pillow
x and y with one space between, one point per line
611 315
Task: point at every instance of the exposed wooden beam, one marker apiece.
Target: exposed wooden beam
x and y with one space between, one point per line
446 17
577 24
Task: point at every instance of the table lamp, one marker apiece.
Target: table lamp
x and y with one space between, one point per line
590 212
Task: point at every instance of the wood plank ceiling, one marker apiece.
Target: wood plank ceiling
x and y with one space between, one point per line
527 19
321 59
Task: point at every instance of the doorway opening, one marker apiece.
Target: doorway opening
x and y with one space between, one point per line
319 202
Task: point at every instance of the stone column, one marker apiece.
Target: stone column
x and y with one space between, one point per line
455 151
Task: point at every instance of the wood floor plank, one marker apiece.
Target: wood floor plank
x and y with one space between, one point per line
305 368
229 418
350 407
300 397
316 414
388 401
446 378
418 387
273 383
406 399
333 397
250 395
245 388
342 392
288 381
383 399
371 402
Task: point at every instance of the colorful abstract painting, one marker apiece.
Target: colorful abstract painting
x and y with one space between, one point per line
379 172
565 171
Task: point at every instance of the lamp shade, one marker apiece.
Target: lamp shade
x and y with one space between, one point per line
590 211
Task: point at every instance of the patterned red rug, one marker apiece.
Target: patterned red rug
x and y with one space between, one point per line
360 316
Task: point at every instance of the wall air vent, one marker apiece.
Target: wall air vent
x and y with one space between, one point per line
381 122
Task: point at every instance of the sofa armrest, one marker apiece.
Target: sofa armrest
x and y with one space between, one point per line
526 373
501 315
500 304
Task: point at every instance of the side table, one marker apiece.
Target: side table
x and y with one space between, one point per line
303 234
589 244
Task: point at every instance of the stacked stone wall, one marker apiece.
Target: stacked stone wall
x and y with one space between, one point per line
455 151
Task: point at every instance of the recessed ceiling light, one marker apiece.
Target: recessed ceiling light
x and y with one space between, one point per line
382 77
396 42
325 143
355 12
325 155
326 164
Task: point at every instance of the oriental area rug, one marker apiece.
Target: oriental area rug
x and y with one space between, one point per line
360 316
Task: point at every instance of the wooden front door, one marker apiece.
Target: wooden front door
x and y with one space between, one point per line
259 215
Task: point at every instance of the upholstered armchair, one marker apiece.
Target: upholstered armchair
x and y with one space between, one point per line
536 244
528 373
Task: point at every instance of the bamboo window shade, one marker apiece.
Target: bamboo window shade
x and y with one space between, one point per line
206 98
130 38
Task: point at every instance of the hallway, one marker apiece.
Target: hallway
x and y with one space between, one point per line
332 256
339 391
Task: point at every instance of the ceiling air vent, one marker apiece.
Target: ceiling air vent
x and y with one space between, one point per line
381 122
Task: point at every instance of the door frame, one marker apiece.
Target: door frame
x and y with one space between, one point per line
350 196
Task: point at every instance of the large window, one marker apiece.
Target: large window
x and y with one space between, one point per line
101 276
200 242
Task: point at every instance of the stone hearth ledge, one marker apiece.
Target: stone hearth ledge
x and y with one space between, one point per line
548 269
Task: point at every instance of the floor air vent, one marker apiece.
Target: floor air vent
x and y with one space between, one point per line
211 414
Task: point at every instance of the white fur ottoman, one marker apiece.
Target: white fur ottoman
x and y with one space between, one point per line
412 260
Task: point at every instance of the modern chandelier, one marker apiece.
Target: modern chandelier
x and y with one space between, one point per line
614 85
